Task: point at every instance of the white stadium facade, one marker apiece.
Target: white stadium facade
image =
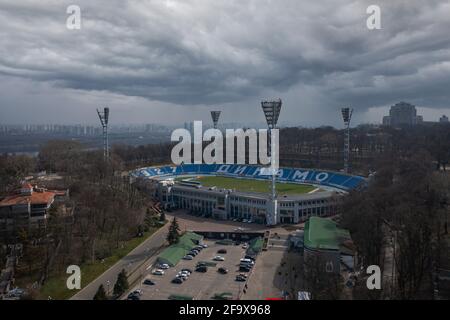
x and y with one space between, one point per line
167 186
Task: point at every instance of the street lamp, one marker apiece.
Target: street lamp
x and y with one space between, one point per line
272 111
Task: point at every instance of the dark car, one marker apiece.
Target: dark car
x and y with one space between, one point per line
193 253
222 270
133 296
201 264
244 269
241 278
177 280
222 251
186 269
201 269
149 282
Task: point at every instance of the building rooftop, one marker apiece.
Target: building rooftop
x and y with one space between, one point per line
321 233
45 197
35 197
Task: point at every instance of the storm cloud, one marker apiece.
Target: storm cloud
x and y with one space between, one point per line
316 55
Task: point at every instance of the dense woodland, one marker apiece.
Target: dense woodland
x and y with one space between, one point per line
103 211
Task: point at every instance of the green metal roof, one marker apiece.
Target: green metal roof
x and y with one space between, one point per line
324 234
173 254
255 246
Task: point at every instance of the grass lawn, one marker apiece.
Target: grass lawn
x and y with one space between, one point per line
56 288
253 185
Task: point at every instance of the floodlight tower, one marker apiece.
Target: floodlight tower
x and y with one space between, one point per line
271 111
215 118
104 117
347 117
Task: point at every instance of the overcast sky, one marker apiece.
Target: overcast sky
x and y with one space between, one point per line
170 61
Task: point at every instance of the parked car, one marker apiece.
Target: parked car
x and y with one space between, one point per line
164 266
222 271
188 257
193 253
244 269
132 296
247 261
222 251
183 275
135 295
177 280
204 245
240 278
202 269
137 292
245 246
219 258
186 270
158 272
149 282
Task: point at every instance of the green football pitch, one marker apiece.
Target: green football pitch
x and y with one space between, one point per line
249 185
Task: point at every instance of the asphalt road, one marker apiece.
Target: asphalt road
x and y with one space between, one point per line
141 255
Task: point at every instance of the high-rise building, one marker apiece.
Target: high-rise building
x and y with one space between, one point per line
402 114
443 119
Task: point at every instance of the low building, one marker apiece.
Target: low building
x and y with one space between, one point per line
173 254
326 244
28 207
443 119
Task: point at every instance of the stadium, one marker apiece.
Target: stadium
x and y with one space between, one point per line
241 192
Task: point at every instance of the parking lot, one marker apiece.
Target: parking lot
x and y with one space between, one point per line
199 286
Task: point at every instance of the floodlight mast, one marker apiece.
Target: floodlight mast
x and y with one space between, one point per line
215 118
347 117
104 118
272 111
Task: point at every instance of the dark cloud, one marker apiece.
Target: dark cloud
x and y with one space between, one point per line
316 54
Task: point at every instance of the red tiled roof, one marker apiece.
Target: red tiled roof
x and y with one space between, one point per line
45 197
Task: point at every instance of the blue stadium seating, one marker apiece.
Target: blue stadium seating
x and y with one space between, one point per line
319 177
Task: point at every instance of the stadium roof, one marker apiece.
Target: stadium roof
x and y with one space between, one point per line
321 233
173 254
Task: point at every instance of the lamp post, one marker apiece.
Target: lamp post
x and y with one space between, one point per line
347 117
272 111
